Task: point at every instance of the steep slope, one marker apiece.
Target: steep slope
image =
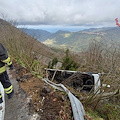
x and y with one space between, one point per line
11 37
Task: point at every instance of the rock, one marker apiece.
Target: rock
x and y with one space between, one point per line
46 90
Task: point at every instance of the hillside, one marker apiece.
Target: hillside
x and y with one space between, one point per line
33 99
30 57
79 41
9 33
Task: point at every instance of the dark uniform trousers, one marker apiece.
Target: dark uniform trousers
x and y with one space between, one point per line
4 78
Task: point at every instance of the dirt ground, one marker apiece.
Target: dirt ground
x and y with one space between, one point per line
17 108
35 100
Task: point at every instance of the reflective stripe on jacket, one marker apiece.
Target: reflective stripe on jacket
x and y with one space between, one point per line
7 61
4 59
0 95
9 89
2 69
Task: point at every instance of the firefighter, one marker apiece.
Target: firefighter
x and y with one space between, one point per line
4 79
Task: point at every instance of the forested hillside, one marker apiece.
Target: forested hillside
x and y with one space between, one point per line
78 41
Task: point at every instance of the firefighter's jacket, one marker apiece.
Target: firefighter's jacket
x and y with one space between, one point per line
4 59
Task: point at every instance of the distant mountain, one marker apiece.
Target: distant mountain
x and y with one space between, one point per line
79 41
36 33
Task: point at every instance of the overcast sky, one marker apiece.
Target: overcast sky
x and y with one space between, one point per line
61 12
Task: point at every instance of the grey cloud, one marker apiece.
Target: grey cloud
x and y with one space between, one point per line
65 12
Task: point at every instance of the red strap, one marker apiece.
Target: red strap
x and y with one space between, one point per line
117 22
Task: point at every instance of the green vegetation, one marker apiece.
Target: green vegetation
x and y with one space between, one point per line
79 41
100 57
111 112
93 115
53 63
68 63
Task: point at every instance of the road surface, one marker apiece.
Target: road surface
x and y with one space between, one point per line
17 108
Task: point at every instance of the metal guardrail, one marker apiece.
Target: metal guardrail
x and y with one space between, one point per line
2 112
77 107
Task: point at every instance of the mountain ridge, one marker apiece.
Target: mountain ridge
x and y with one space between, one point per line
79 41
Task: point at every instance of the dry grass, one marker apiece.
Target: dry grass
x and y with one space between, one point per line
100 58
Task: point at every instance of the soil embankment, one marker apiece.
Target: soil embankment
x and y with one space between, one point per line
35 100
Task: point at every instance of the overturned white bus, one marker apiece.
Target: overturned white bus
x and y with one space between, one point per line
76 79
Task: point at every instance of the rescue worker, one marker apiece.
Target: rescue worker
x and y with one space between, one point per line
4 79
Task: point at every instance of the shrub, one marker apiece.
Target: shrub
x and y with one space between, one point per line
68 63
